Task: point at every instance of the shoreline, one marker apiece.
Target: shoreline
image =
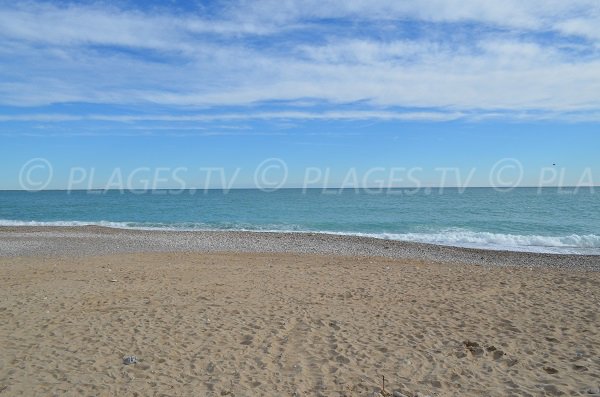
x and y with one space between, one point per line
99 240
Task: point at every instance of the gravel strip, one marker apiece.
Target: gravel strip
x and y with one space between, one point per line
94 240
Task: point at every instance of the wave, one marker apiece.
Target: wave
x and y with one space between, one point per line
184 226
116 225
572 244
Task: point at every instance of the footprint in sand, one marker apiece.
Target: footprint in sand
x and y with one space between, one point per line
497 354
474 348
247 340
478 351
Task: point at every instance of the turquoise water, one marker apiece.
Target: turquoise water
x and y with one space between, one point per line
524 219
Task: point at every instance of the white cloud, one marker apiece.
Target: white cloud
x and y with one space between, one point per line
584 27
55 54
520 14
285 115
102 24
183 121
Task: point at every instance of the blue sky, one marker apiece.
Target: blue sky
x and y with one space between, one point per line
336 85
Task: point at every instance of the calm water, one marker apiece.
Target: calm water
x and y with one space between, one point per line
523 219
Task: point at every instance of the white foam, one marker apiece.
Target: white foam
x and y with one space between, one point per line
573 244
119 225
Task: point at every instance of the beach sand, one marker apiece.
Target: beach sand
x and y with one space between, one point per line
283 324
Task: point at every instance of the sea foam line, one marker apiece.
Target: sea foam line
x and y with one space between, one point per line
572 244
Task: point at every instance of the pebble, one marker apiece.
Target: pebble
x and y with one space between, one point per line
127 360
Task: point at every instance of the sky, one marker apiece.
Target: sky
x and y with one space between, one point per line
337 92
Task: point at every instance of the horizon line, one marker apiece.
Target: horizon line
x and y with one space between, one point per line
267 190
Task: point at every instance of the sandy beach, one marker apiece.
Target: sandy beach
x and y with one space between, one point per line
307 315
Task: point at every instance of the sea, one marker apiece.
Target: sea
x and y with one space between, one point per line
549 220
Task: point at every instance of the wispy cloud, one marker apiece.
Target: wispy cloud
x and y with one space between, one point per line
283 115
458 59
